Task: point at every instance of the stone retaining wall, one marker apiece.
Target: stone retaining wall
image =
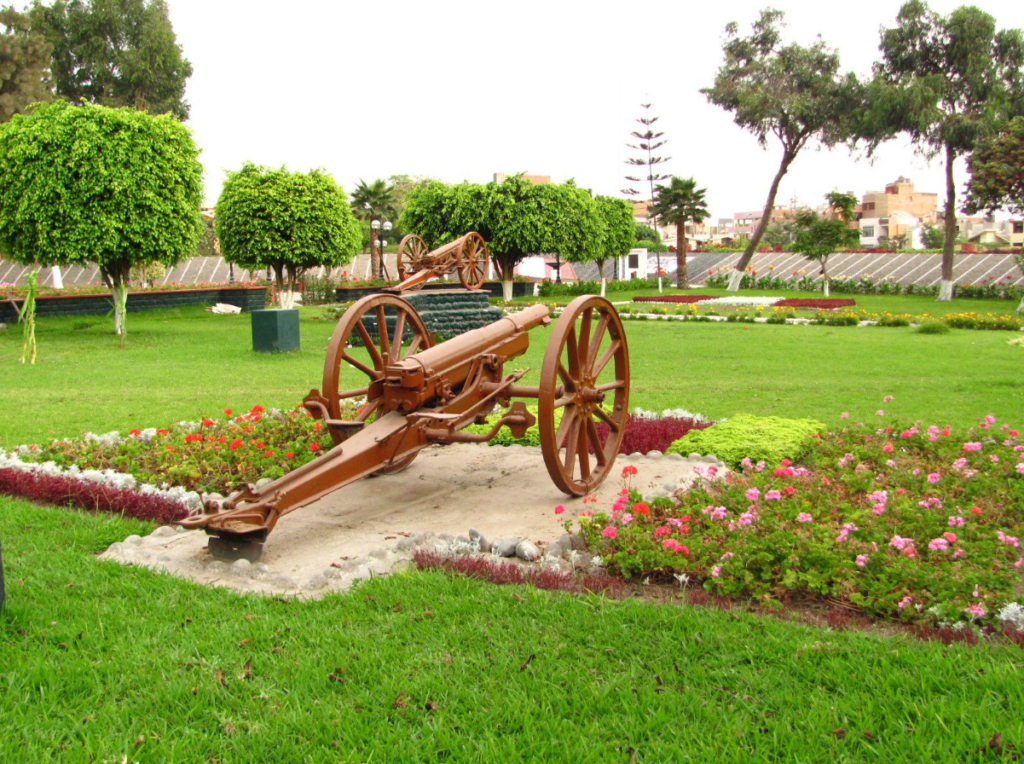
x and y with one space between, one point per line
246 298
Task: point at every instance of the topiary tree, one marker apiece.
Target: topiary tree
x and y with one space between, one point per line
287 221
116 187
516 218
619 229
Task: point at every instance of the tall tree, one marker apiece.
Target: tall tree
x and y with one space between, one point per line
115 53
947 82
115 187
818 237
679 203
288 221
24 65
997 177
647 142
619 229
794 93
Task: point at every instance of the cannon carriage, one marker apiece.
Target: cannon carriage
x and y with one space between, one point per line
418 394
466 256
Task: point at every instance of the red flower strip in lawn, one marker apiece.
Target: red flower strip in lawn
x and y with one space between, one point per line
63 490
676 298
822 304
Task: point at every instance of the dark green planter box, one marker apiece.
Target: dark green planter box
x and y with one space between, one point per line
275 331
246 298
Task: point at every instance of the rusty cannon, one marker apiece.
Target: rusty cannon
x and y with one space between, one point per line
466 256
418 393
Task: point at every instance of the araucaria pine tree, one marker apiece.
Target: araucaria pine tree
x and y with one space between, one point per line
647 142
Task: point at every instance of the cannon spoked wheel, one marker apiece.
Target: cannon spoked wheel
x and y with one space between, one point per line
473 261
371 360
586 375
411 250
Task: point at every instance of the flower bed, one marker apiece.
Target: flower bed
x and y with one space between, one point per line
684 299
910 521
777 302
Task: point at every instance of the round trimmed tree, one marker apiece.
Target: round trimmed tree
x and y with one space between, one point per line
115 187
286 221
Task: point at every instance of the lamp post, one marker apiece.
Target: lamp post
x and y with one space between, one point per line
377 244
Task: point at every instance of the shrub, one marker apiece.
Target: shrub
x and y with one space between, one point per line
768 439
933 327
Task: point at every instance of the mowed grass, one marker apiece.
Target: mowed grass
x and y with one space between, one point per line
101 663
185 364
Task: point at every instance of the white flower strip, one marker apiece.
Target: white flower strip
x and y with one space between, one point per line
741 301
672 414
190 500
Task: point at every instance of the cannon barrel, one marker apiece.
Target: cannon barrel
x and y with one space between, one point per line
457 353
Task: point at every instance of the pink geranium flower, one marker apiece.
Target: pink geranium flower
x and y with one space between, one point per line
933 477
559 509
610 533
972 446
803 517
752 494
862 560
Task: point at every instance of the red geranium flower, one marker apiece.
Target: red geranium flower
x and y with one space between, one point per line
227 412
208 423
161 431
135 431
236 443
268 452
314 446
289 455
257 409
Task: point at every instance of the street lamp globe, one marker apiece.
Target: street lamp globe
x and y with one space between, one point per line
375 225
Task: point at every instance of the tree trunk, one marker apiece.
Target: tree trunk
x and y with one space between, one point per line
1020 307
505 272
734 281
946 284
600 269
826 289
284 295
682 276
117 279
57 278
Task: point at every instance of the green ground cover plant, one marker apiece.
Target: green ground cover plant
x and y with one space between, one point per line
746 436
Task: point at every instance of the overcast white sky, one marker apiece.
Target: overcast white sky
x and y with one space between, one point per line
461 90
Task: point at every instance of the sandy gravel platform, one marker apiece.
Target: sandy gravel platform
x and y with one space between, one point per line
373 526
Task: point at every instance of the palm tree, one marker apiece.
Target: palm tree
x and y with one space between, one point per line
680 202
374 200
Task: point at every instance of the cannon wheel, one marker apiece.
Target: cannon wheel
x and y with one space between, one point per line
472 262
586 374
411 250
386 349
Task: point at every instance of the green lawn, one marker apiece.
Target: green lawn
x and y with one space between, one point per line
100 663
185 364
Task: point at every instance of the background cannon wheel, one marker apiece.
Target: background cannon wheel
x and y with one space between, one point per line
586 375
472 263
411 251
374 355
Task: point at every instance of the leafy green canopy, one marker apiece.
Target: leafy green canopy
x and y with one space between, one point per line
819 236
115 53
619 227
24 65
116 187
288 221
947 82
997 172
796 94
516 217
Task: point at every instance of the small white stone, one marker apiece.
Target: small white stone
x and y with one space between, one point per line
316 582
116 548
162 531
133 539
216 568
654 454
263 482
674 456
284 582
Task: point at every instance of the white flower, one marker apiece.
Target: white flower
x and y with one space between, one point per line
741 301
1012 613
